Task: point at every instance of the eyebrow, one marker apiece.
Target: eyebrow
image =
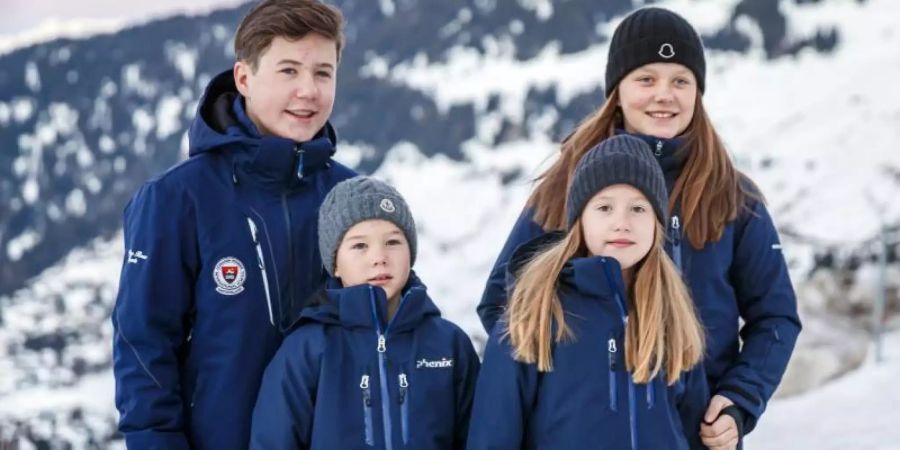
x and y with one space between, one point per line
360 236
298 63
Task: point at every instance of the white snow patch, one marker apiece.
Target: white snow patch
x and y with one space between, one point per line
19 245
351 154
107 144
168 113
858 410
75 204
543 9
387 7
22 109
32 77
133 82
184 59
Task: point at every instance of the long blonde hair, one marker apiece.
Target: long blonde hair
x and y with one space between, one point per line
663 330
709 188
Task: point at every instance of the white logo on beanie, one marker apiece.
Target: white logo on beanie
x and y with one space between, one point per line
667 50
387 205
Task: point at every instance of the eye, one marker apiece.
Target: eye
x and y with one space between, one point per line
604 208
644 79
682 82
324 74
392 242
358 246
288 71
639 209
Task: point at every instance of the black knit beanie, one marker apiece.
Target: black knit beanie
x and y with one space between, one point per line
621 159
651 35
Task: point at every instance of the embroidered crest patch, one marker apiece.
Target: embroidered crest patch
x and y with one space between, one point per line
229 276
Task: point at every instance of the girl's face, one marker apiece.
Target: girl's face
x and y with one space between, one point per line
658 99
619 222
374 252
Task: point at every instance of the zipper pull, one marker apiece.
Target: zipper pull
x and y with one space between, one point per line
364 385
382 343
659 146
611 346
403 385
676 223
299 150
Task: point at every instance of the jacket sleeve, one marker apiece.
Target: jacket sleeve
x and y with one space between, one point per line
768 306
151 318
493 300
505 391
692 405
466 375
283 415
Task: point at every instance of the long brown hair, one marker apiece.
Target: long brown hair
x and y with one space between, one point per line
663 330
710 189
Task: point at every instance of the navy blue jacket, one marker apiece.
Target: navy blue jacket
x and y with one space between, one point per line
222 253
345 379
741 276
588 400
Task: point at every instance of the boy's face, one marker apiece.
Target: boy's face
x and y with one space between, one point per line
291 92
374 252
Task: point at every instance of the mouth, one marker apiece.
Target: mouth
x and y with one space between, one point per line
661 114
620 243
380 279
301 114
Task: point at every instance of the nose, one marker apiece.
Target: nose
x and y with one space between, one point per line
621 221
379 256
306 85
663 93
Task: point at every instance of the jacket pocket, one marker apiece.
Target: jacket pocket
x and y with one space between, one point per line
367 410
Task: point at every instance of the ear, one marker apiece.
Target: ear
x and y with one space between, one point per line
242 72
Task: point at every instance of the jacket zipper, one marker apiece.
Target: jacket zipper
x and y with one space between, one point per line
290 246
262 268
404 408
367 410
613 397
632 417
676 243
382 365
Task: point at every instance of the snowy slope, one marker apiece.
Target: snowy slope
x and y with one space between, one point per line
858 411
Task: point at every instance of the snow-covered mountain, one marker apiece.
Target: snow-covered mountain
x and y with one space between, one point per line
459 104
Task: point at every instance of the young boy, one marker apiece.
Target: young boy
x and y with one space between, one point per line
373 365
221 249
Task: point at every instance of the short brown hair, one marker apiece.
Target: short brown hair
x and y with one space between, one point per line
290 19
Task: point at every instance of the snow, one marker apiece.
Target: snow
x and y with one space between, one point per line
32 77
858 410
168 116
17 246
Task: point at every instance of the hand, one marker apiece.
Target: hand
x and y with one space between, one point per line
719 433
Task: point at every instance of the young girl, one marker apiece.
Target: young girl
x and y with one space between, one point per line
600 347
373 365
720 234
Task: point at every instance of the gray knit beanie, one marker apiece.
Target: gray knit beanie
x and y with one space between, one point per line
355 200
621 159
